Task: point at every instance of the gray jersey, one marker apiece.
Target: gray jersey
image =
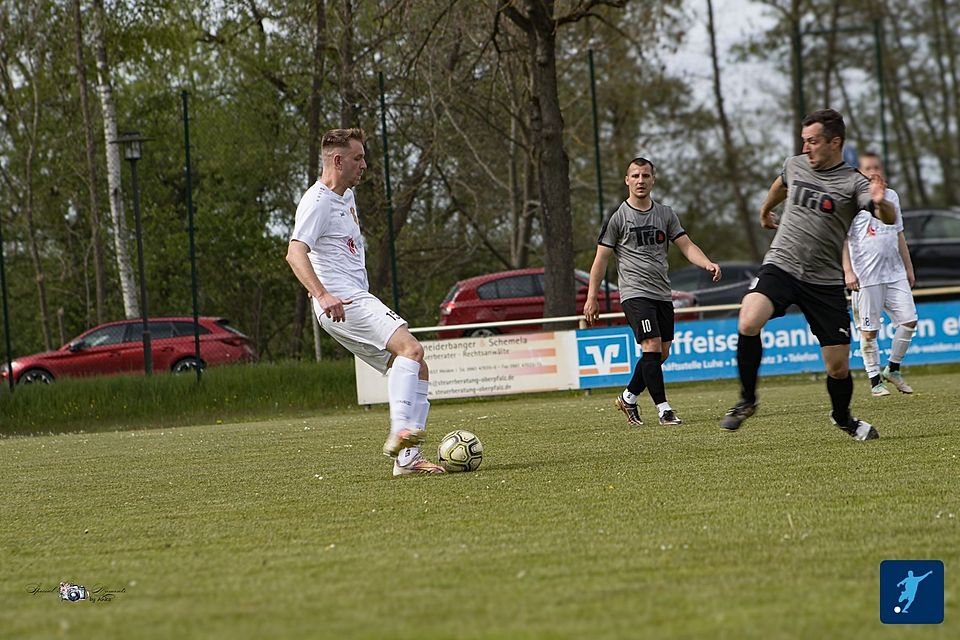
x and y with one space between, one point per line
639 240
817 214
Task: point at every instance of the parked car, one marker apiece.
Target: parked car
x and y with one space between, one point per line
117 347
730 290
518 295
933 237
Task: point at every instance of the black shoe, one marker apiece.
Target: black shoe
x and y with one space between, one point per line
631 411
739 412
670 417
857 429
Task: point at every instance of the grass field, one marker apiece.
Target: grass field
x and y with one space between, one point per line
574 526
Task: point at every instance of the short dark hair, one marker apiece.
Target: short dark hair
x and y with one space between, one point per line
339 138
642 162
832 121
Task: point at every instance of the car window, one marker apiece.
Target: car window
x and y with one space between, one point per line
517 287
487 291
158 331
913 227
686 280
941 227
186 329
161 330
450 294
113 334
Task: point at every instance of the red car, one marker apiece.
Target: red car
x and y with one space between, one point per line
518 295
117 347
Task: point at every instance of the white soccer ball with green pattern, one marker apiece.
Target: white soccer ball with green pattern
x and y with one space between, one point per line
460 451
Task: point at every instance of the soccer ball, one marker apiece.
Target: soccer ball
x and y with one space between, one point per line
460 451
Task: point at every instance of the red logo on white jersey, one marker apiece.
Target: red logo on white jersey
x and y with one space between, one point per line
352 246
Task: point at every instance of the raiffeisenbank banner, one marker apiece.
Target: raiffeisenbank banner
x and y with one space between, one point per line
605 357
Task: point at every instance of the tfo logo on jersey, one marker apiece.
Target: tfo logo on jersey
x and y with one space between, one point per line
648 235
812 196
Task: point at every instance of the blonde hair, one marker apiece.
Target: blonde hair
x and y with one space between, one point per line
340 138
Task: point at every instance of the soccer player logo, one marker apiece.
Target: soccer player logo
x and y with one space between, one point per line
909 584
911 592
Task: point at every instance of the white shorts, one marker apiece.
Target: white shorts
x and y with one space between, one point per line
368 326
871 301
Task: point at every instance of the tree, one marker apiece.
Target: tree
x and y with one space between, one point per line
96 236
539 22
128 288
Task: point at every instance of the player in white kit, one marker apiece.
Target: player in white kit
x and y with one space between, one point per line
326 254
878 270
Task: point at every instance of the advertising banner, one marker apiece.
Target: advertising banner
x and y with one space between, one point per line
707 349
605 357
488 366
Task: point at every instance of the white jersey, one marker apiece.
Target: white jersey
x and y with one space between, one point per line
329 226
875 248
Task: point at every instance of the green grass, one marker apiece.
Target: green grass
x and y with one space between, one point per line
226 394
575 526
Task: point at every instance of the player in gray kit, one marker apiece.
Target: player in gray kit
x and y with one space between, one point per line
803 266
638 233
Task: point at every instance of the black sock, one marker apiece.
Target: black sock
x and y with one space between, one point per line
749 353
875 380
637 385
894 366
840 390
653 375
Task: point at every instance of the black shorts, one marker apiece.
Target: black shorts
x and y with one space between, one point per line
649 318
823 305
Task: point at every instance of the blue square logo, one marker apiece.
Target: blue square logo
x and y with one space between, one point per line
911 592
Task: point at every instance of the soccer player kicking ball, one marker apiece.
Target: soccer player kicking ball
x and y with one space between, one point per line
803 266
637 233
326 254
878 270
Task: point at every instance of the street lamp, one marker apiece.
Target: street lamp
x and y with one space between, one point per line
132 150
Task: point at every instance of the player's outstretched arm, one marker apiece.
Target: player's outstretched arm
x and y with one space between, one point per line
775 195
591 310
695 255
299 263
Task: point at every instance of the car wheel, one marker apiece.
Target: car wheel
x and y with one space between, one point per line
482 333
36 376
185 365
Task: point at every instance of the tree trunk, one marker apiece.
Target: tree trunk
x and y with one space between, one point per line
943 143
553 164
313 171
128 287
34 248
796 73
949 32
830 58
732 168
96 237
349 99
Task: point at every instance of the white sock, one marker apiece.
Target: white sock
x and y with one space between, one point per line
402 392
871 356
421 408
663 407
901 342
628 397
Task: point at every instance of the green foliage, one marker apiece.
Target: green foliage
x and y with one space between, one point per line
226 394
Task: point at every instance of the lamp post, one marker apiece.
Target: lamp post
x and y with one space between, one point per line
132 150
